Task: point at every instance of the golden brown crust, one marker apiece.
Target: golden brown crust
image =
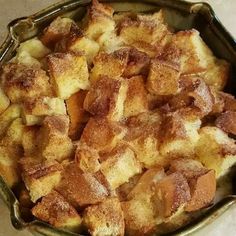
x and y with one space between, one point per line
226 122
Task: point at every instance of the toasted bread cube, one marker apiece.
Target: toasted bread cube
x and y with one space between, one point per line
145 184
195 55
216 150
58 29
102 134
29 136
149 29
226 122
14 133
136 99
142 137
4 101
116 62
180 135
98 20
40 177
69 73
55 210
106 98
138 63
106 218
21 82
76 41
36 109
78 115
139 216
81 189
9 170
171 193
34 48
120 159
87 158
163 78
202 182
54 142
217 74
10 114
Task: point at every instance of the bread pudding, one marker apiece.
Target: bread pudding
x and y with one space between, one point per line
117 125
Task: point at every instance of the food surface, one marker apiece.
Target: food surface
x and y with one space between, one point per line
116 125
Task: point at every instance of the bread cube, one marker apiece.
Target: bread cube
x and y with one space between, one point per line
116 62
217 74
216 150
138 63
26 59
142 136
163 78
9 170
40 177
171 193
35 110
106 218
136 100
55 210
30 134
98 20
195 55
21 82
34 48
10 114
68 72
54 144
81 189
58 29
4 101
102 134
87 158
226 122
202 182
106 98
119 159
77 114
179 135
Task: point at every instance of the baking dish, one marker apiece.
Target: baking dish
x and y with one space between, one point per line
179 15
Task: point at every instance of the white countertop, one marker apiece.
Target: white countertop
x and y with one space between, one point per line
11 9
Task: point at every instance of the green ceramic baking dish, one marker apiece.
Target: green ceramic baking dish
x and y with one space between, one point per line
179 15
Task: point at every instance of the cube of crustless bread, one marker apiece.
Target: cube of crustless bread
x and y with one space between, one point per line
69 73
10 114
77 114
115 61
119 159
4 101
58 29
179 135
142 137
81 189
106 98
40 177
171 193
55 210
21 82
163 78
102 134
9 170
54 142
106 218
98 20
202 182
35 110
136 100
216 150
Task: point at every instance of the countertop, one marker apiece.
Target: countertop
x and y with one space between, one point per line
11 9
